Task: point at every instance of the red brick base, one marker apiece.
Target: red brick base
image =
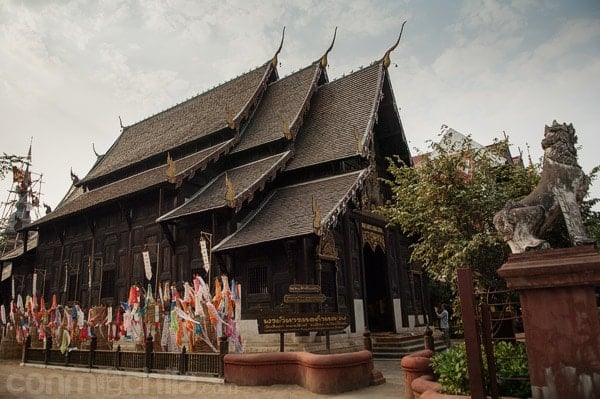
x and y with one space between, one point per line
318 373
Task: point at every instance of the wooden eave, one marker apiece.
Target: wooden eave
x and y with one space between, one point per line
274 165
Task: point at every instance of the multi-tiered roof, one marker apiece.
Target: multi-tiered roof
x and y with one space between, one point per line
314 140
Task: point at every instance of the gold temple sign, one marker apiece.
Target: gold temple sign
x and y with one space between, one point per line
306 322
304 298
304 288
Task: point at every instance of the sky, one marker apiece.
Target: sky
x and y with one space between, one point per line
70 69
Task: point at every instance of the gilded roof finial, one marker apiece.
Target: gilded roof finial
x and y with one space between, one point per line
286 128
230 193
386 57
230 120
359 146
529 156
316 218
324 58
171 169
274 60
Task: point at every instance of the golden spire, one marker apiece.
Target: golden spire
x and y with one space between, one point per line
386 57
324 58
529 155
274 60
230 120
316 218
286 128
230 193
171 170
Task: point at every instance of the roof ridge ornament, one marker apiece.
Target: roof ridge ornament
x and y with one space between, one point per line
317 228
95 152
286 128
230 193
230 120
171 169
274 61
323 61
386 57
357 136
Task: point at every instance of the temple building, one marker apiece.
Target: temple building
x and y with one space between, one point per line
277 177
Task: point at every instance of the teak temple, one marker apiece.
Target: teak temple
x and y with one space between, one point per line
277 178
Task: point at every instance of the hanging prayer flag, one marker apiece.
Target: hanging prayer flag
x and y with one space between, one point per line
147 265
34 283
66 278
204 251
90 271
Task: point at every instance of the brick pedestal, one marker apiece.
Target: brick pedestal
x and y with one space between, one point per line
561 319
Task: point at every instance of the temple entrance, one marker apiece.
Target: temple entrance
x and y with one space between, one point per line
380 312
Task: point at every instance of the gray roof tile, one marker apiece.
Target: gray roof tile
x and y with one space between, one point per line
286 99
183 123
340 112
133 184
245 179
288 211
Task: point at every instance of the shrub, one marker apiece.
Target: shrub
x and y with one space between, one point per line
450 367
512 373
512 369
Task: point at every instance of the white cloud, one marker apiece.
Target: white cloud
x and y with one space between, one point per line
569 38
68 70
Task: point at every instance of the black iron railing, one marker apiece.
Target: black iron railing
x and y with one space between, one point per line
184 363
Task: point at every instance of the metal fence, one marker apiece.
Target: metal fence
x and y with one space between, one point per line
488 318
182 363
501 320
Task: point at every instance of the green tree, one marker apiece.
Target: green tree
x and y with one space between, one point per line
447 204
589 211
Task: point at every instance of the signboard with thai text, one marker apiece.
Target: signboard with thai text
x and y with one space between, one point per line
304 298
304 289
301 322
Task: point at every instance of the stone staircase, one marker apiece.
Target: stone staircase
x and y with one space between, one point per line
396 346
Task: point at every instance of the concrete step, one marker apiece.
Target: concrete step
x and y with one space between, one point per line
390 346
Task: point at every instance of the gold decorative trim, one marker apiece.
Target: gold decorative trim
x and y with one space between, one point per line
274 61
327 248
386 57
323 62
318 229
171 169
374 236
230 193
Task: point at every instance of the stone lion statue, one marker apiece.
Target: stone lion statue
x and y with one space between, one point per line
562 187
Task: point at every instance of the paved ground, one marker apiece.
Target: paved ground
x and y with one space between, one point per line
29 381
